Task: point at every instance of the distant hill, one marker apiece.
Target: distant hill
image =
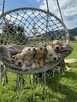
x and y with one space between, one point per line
73 31
51 33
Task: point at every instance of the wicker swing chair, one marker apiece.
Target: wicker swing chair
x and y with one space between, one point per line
31 27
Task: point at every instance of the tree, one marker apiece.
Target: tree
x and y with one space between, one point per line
72 37
34 30
9 29
21 33
9 32
14 33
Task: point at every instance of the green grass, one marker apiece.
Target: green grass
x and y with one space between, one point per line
59 88
74 53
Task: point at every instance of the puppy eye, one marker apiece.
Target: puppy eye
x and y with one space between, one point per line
28 49
50 54
34 49
12 57
40 48
16 58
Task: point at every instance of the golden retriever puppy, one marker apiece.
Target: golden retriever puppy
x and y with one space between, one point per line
29 51
51 56
58 69
25 58
57 45
18 59
28 54
39 57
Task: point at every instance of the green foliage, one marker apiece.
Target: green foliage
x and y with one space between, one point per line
20 34
14 33
74 52
34 30
72 38
73 31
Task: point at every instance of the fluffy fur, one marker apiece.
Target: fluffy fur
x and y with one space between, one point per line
25 58
51 56
28 54
57 45
18 59
39 57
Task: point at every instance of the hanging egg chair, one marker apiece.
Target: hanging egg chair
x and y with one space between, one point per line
31 27
35 26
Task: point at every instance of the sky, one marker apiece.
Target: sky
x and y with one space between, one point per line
68 8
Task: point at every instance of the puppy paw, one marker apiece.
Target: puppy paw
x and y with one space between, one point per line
33 65
41 64
37 65
23 67
46 61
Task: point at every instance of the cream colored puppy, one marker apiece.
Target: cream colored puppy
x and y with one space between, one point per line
28 54
52 56
28 51
18 59
57 45
39 57
25 58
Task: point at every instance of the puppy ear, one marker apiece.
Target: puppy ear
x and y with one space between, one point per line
24 54
45 53
61 44
52 45
13 57
34 52
40 48
29 49
23 58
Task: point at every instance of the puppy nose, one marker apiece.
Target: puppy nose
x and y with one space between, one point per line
55 58
19 63
40 48
29 49
57 48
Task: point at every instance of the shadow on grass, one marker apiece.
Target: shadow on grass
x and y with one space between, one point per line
71 75
65 89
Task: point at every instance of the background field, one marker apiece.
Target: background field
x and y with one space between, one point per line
59 88
74 53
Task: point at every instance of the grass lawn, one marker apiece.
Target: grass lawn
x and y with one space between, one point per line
74 53
59 88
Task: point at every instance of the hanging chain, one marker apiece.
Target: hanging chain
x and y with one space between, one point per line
47 5
59 10
3 7
47 20
67 36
